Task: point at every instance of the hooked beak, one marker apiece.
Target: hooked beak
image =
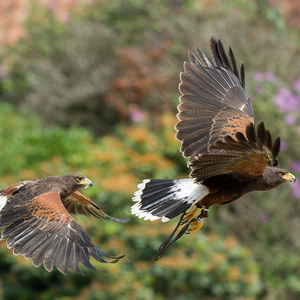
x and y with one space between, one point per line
86 182
289 177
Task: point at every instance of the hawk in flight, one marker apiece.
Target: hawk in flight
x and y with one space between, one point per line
38 224
227 156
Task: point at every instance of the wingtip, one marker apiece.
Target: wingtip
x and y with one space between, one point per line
100 254
212 38
117 259
120 220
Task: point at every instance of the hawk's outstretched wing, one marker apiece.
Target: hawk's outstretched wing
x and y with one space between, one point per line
41 228
244 157
213 103
77 203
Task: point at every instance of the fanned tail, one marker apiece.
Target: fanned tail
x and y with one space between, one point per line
165 199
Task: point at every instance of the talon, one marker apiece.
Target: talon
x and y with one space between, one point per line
196 225
190 215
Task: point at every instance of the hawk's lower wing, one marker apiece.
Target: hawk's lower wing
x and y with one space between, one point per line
79 204
42 229
245 156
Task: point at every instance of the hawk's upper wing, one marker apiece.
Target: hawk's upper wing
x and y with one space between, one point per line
213 103
79 204
245 156
42 229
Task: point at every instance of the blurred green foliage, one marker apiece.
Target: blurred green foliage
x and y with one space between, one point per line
200 266
96 95
112 58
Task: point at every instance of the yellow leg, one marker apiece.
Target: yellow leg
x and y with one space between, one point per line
196 225
190 215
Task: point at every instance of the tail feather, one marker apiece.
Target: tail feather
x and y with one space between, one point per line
165 199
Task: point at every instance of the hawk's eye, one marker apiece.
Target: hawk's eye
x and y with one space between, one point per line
79 179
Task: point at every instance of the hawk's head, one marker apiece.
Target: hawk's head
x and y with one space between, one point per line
73 182
78 181
275 176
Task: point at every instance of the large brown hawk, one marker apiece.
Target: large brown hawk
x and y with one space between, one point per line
38 224
228 157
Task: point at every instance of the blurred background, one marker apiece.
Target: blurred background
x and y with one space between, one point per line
90 86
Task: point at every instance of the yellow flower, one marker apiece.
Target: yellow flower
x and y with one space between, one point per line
140 135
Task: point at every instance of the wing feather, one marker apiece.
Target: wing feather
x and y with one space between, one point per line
42 229
79 204
213 101
276 147
242 156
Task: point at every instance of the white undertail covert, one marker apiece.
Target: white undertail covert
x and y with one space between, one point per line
3 200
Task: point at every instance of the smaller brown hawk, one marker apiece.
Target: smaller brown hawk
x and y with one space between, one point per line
38 224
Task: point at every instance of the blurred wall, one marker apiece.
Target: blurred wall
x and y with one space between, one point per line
14 12
291 10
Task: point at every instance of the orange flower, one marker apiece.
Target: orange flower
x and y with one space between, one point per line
233 274
122 183
112 142
28 174
104 156
7 179
212 238
152 159
180 263
250 278
140 135
219 258
230 242
169 121
141 266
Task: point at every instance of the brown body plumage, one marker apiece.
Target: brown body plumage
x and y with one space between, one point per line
38 224
227 155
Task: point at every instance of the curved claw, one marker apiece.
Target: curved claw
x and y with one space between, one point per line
190 215
196 225
198 222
